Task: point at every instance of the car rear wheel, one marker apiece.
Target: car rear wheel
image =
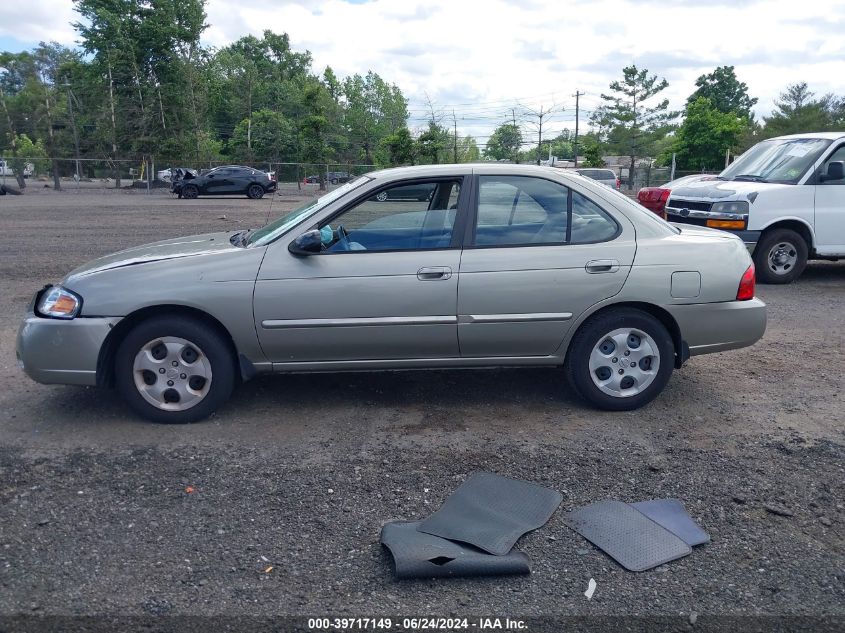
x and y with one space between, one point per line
620 359
174 369
255 192
780 257
190 192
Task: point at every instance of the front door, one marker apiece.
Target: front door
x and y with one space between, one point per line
830 211
541 254
383 287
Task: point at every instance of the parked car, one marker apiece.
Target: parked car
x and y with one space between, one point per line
7 170
226 180
655 198
784 197
606 177
172 174
334 177
504 265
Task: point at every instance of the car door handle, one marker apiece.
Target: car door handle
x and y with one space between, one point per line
602 266
434 273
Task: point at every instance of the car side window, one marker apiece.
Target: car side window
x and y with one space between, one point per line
521 211
411 216
837 156
590 223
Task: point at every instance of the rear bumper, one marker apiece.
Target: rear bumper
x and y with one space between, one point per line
54 351
717 327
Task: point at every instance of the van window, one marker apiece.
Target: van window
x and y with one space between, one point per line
777 160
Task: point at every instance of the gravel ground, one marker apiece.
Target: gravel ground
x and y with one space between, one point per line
101 513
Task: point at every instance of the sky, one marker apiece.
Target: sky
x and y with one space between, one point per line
481 58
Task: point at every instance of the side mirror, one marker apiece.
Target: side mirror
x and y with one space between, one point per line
308 243
835 171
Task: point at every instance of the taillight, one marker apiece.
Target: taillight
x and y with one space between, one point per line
746 285
653 198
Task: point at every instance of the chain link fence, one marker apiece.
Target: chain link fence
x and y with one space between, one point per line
148 176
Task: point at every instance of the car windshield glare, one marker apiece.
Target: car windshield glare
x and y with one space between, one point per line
777 160
272 231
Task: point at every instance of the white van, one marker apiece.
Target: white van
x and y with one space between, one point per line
785 197
6 169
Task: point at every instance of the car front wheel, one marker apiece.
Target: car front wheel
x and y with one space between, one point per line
190 192
620 359
173 369
780 257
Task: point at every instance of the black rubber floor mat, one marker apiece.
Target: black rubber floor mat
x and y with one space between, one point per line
626 535
670 513
492 512
419 555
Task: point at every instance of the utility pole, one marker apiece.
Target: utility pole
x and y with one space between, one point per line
577 96
516 151
455 121
70 99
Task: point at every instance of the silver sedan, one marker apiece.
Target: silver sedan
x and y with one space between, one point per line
408 268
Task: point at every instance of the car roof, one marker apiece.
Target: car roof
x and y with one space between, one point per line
464 169
830 136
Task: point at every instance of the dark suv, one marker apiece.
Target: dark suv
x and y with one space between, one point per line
225 181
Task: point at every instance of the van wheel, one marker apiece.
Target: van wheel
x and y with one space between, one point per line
174 369
780 257
620 359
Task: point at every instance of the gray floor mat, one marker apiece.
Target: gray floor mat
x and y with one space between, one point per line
670 513
626 535
492 512
419 555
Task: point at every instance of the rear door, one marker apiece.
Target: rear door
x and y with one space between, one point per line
830 210
538 254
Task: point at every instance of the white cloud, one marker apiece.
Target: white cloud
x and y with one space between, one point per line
484 56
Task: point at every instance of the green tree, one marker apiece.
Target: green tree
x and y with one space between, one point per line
504 143
433 143
315 126
630 119
592 153
705 135
468 151
374 109
397 148
273 138
797 111
725 92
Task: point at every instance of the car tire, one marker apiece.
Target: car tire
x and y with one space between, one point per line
780 257
334 181
255 192
201 380
189 192
381 196
599 366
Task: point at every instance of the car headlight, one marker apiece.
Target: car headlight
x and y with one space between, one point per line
59 303
739 207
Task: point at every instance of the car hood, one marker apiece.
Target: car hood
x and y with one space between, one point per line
191 246
712 190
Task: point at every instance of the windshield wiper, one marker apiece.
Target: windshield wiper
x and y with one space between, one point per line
750 177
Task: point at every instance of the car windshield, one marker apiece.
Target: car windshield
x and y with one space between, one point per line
777 160
270 232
